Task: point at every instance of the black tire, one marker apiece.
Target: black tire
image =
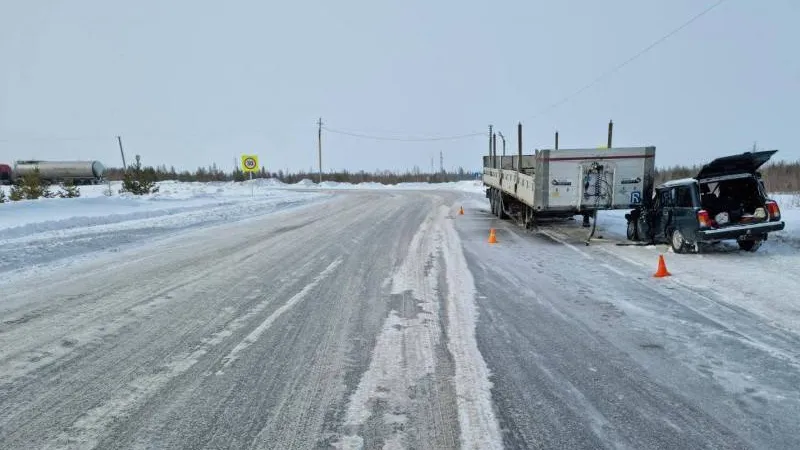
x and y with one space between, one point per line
677 242
641 234
750 246
633 231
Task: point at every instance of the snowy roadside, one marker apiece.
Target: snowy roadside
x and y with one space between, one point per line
765 282
46 234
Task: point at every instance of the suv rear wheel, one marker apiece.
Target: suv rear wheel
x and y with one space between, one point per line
750 246
678 242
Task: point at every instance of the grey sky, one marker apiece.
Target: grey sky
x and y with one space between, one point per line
188 83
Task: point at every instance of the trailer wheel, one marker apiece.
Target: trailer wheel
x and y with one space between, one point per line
501 212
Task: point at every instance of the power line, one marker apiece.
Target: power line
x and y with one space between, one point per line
402 139
564 100
20 140
631 59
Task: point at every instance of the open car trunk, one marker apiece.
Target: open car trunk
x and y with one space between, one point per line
734 201
743 163
730 190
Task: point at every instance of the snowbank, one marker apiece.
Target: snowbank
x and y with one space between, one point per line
97 207
45 234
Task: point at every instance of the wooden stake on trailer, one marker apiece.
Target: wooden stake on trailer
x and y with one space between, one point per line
494 150
490 148
519 147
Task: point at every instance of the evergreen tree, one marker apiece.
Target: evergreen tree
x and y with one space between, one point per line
138 180
30 187
69 190
16 192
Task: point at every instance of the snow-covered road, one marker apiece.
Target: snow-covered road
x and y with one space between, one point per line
383 319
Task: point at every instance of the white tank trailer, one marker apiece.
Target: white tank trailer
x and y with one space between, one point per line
78 172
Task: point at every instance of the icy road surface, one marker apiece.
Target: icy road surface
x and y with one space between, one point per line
385 320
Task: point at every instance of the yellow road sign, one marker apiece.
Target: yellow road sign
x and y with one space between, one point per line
249 163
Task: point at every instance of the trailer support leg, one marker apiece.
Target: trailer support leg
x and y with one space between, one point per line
586 221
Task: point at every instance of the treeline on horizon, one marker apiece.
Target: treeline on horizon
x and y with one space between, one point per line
214 173
779 176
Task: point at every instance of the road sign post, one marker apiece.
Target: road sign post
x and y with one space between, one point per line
250 165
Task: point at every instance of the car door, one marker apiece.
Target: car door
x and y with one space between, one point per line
659 215
684 211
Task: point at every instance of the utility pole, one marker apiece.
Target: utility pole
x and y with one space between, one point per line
441 162
556 139
319 147
610 131
122 152
504 142
494 150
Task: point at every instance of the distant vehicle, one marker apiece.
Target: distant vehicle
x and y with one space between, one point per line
5 174
726 200
78 172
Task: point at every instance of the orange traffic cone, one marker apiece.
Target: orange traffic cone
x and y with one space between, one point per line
492 237
461 211
662 268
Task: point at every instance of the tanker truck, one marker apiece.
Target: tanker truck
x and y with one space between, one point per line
77 172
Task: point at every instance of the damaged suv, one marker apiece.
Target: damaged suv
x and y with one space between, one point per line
726 200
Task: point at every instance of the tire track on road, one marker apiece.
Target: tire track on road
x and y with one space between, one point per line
262 327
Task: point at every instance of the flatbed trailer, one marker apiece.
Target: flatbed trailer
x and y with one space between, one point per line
569 182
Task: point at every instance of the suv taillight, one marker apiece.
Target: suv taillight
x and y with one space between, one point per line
704 219
774 210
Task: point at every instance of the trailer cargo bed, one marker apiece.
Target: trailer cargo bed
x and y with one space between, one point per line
563 183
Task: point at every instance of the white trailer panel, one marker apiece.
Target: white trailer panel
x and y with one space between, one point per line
575 181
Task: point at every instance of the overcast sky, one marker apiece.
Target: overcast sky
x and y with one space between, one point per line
188 83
